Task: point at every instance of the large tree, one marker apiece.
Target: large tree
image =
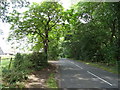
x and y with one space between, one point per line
37 22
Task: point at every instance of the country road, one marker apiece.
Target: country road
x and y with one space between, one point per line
75 74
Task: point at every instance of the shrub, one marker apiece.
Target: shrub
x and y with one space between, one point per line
13 76
18 61
53 53
19 71
38 60
22 62
35 60
22 66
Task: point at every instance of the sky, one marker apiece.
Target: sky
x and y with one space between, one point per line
5 27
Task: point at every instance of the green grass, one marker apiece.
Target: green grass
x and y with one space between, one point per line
112 69
51 82
5 61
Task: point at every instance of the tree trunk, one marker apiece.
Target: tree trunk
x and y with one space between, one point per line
46 45
113 30
46 48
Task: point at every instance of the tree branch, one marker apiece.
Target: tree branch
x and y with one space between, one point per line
55 23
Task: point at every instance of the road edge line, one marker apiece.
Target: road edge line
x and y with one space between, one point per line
99 78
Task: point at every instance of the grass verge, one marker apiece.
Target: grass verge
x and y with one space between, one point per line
51 82
5 61
112 69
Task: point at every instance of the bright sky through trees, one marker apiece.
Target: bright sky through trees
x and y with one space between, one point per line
5 26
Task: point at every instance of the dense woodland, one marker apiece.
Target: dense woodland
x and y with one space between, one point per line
99 39
88 31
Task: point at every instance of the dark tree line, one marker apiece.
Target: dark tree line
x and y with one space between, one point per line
98 38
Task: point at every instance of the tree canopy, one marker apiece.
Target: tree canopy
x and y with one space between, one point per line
87 31
37 23
96 38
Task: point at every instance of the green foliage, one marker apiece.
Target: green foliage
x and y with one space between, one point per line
5 7
53 52
93 34
13 76
44 18
35 60
23 64
19 71
38 60
18 60
51 82
54 47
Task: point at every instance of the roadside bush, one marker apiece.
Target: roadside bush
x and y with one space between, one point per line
23 64
53 55
18 61
38 60
13 76
21 68
53 52
110 54
35 60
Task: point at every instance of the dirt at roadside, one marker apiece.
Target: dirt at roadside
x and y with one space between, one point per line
37 79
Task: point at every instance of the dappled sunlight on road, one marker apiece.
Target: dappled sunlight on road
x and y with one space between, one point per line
78 75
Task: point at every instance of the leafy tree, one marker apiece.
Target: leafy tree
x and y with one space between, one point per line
37 23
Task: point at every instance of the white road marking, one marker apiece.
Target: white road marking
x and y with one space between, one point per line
76 65
92 74
79 66
100 78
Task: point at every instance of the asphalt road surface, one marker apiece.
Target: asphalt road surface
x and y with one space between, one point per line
74 74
